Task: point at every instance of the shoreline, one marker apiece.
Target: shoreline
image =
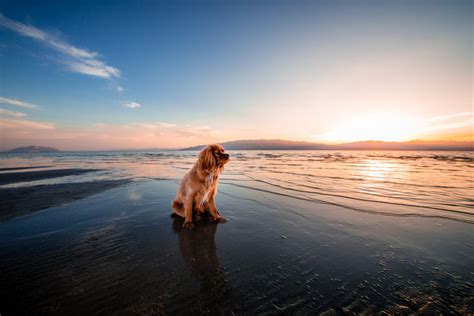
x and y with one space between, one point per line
26 176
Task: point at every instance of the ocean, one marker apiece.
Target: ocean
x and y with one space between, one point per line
394 183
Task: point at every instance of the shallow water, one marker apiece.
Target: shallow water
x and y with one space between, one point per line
397 183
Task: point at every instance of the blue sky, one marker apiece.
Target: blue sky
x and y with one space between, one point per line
200 71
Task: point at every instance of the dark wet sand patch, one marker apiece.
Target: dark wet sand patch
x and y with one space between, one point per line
16 202
23 168
13 177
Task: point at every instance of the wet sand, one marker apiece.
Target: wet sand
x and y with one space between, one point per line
13 177
23 168
16 202
119 251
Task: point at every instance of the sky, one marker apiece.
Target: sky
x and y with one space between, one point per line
97 75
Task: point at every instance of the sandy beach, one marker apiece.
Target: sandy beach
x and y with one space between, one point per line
115 249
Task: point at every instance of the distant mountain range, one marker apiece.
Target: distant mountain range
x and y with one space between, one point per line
33 149
279 144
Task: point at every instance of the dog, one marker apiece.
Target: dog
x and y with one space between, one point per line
197 191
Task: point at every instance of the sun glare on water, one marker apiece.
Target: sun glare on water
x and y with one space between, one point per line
374 126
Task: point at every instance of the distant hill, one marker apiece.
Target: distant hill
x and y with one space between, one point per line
279 144
33 149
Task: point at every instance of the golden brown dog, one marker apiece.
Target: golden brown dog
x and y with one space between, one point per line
198 188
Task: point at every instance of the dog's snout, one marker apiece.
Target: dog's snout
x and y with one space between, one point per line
226 156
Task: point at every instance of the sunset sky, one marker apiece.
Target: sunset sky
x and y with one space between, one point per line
80 75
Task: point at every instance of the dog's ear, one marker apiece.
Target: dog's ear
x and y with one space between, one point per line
206 159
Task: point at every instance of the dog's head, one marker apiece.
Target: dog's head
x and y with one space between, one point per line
213 157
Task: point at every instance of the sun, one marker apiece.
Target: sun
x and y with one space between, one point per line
383 126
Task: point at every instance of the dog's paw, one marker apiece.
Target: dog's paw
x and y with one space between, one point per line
188 225
219 220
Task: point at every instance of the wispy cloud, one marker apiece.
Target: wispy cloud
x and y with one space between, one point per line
450 116
164 124
140 125
157 125
450 121
11 113
22 124
18 103
132 105
451 125
93 68
76 59
203 132
204 129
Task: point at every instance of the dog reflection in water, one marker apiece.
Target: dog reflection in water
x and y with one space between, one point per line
198 249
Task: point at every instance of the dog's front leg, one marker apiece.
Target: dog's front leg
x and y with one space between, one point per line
216 216
188 213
